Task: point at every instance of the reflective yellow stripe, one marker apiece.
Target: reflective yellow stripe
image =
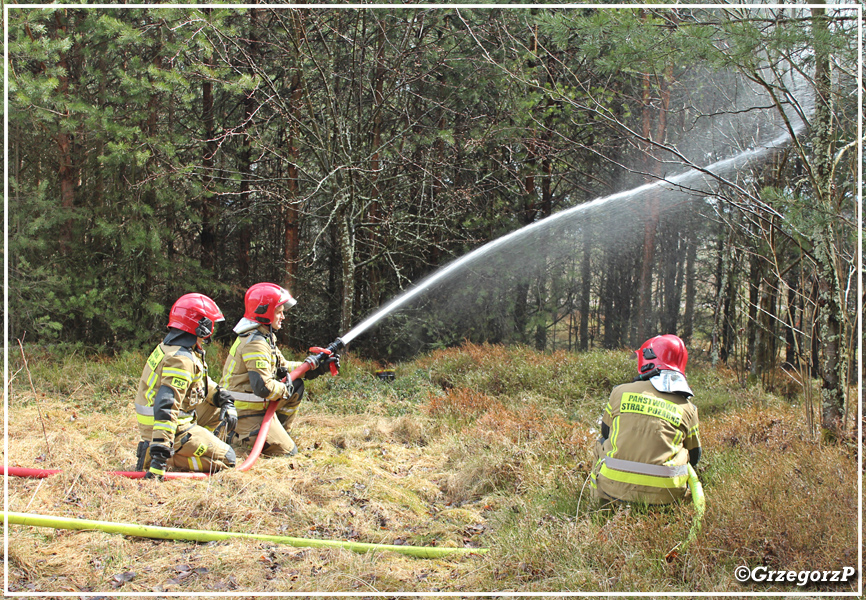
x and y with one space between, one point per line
592 474
156 471
153 361
195 464
250 405
145 420
171 371
151 390
164 426
255 355
614 430
230 368
647 480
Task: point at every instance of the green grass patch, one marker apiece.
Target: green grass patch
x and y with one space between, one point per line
478 446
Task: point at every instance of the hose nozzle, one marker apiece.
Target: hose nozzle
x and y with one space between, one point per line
336 346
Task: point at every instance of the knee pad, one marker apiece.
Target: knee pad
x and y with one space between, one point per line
230 458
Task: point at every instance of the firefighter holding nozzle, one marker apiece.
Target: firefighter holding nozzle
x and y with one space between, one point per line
649 431
173 385
255 371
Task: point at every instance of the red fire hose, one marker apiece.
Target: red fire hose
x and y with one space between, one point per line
297 373
42 473
253 456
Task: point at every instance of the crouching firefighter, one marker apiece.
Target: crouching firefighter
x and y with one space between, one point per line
255 371
173 384
649 430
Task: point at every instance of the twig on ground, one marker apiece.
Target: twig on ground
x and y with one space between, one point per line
36 397
32 498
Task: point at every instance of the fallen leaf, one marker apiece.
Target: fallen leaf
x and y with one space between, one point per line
121 578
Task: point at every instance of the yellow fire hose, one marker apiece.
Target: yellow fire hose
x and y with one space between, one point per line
197 535
700 504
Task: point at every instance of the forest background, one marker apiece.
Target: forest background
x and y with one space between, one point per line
347 153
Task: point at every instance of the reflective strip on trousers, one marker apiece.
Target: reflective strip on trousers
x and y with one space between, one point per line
247 401
660 476
144 414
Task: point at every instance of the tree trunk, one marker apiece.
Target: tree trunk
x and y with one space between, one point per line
691 288
208 236
833 365
755 278
373 275
244 235
347 255
645 319
65 168
585 290
793 322
291 212
722 274
671 278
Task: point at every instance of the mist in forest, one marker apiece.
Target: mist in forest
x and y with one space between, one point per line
514 287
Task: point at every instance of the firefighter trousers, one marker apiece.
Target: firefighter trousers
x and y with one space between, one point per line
278 441
197 449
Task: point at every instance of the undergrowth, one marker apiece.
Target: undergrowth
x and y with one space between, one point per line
479 447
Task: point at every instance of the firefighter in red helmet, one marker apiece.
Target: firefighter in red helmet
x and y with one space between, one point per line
255 371
173 385
649 431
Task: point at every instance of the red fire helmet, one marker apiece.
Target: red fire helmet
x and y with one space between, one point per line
262 299
662 352
196 314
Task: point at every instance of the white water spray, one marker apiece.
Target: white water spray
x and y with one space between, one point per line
694 179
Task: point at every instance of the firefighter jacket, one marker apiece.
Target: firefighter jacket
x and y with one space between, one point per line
174 382
250 371
645 459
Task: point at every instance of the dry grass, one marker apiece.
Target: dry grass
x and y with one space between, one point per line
503 469
356 478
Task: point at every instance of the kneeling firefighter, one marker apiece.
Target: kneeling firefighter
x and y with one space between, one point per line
173 385
255 371
649 430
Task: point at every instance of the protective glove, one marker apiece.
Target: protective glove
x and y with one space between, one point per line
320 367
282 374
228 414
159 456
295 389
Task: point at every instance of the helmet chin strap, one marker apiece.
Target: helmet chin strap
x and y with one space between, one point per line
648 375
